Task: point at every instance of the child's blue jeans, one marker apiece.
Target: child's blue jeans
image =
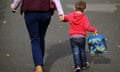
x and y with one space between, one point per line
78 50
37 24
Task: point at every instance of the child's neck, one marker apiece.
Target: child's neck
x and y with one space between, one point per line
79 12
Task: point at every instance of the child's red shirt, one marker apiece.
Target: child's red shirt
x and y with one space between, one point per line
79 24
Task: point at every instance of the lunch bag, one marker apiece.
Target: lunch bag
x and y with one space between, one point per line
97 44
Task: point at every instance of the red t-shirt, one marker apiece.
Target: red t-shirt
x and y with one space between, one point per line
79 24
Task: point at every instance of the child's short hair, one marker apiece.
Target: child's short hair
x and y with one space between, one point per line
80 5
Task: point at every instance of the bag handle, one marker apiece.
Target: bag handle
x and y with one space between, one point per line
95 34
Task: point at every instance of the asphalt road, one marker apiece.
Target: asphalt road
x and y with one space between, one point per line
15 48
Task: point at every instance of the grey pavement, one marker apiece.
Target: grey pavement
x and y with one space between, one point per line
15 48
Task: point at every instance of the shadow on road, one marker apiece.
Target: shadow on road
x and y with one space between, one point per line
56 52
100 59
62 50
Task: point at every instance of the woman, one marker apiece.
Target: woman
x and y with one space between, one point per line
37 15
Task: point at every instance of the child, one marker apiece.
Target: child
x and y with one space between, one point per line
79 24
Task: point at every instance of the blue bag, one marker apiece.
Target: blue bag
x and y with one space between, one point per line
97 44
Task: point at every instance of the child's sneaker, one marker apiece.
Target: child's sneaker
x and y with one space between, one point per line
87 65
77 69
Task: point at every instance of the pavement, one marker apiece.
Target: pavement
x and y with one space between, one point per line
15 48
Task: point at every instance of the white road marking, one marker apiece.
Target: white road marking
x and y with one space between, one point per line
100 7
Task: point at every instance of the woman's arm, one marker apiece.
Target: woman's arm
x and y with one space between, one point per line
59 7
15 4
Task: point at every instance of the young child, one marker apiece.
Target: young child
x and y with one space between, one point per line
79 24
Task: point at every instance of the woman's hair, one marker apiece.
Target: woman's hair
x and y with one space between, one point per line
80 5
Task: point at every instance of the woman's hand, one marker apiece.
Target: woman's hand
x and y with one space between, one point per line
12 8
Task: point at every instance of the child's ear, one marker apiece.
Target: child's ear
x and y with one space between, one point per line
74 9
85 10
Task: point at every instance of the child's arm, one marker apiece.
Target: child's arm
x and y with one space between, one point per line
64 18
15 4
88 27
59 7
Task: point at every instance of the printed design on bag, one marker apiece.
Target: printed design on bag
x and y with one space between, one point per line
97 45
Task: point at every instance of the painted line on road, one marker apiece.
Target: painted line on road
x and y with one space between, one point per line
100 7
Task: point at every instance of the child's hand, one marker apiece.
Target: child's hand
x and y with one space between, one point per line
61 17
96 31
